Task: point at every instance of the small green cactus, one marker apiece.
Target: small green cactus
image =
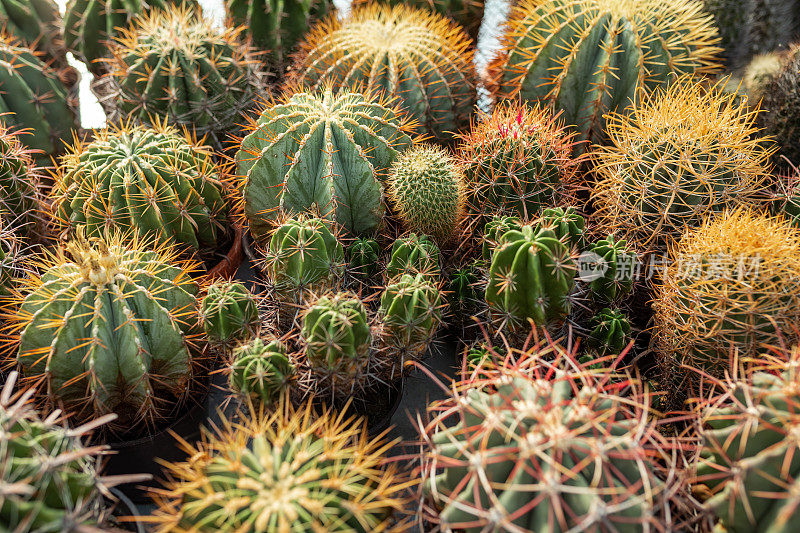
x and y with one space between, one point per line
229 312
426 188
336 332
464 292
610 331
363 254
21 203
616 268
494 231
413 254
567 224
261 370
411 310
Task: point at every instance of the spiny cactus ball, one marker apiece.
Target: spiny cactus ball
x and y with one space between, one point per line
261 370
20 189
421 58
413 254
759 73
427 190
363 254
229 312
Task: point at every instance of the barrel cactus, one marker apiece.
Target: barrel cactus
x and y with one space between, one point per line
411 310
261 370
760 72
36 98
229 312
416 56
530 278
21 204
363 254
146 182
413 254
551 54
617 266
679 156
292 469
320 151
611 331
110 327
493 233
567 224
37 23
466 13
174 66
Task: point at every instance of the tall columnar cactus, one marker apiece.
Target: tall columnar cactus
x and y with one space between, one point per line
320 151
336 333
411 310
611 331
229 312
515 162
616 269
426 187
413 254
416 56
587 58
493 233
261 370
37 23
734 21
21 204
566 223
363 254
110 328
276 26
291 470
147 182
679 156
530 278
303 254
533 449
779 109
177 67
732 286
36 96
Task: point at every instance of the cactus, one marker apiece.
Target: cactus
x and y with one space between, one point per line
174 66
734 20
532 449
779 108
36 96
9 259
413 254
426 188
731 286
37 23
567 225
145 182
416 56
90 26
681 155
276 27
411 310
611 331
759 73
109 327
463 289
515 162
786 202
261 370
617 265
229 312
336 333
774 26
530 278
20 189
363 255
290 470
466 13
320 151
551 54
303 254
493 233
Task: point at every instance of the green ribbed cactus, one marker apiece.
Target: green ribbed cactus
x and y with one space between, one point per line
611 331
109 327
261 370
477 355
20 189
463 288
37 23
337 334
364 254
229 312
176 67
467 13
494 231
36 96
426 188
303 254
144 182
320 151
411 310
276 26
734 21
616 268
413 254
567 224
586 58
416 56
530 278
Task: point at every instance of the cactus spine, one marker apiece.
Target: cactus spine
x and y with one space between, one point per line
413 254
229 312
261 370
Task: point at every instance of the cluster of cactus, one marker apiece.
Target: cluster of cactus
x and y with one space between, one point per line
147 182
411 311
37 23
261 370
336 146
20 189
413 254
229 312
780 105
292 469
416 56
110 327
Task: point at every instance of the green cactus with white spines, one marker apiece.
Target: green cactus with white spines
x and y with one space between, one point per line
411 311
413 254
229 312
37 23
426 188
261 370
617 264
493 233
109 326
364 254
610 333
320 151
567 224
149 182
530 278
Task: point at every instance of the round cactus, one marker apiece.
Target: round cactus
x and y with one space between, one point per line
679 156
611 331
109 327
298 470
413 254
731 286
336 333
174 66
779 109
466 13
320 151
494 231
759 73
411 308
363 255
567 224
145 182
416 56
426 187
530 278
229 312
20 193
261 370
616 265
37 23
36 96
515 162
551 54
